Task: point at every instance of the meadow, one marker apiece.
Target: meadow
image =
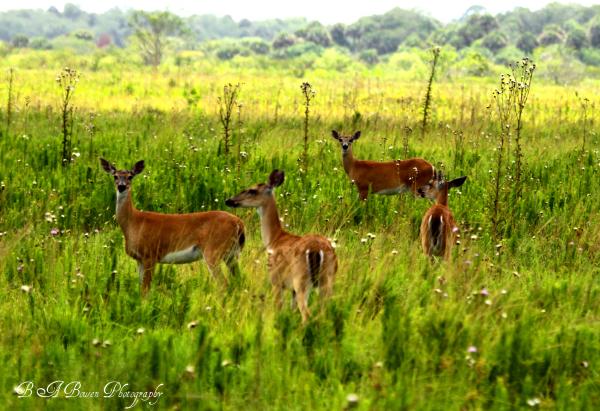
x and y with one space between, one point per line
511 322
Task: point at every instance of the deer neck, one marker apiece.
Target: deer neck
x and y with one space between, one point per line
125 209
270 226
348 159
442 198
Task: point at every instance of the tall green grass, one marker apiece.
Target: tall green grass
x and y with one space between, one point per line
499 327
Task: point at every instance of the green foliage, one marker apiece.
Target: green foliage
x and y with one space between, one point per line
527 42
369 56
386 32
40 43
494 41
476 27
151 31
338 35
571 26
20 41
577 38
595 32
551 35
316 33
284 40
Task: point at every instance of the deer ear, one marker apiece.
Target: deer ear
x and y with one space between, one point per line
276 178
457 182
109 168
335 134
138 167
356 136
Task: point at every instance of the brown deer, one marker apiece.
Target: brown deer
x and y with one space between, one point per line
390 177
295 262
152 238
438 228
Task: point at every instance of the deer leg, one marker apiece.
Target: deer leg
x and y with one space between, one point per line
302 289
141 272
214 268
233 266
146 276
293 301
278 295
363 194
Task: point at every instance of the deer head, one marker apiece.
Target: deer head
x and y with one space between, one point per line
345 141
122 178
257 195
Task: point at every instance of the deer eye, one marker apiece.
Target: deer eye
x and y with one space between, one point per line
129 178
253 191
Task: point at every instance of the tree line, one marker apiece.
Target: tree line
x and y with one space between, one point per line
520 31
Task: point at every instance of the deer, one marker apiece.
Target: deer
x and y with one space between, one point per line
152 238
390 177
438 228
295 262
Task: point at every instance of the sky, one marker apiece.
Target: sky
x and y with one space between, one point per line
325 11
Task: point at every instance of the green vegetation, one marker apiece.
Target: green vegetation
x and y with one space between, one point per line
565 37
510 323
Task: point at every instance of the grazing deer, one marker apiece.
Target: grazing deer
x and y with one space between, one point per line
295 262
390 177
438 228
152 238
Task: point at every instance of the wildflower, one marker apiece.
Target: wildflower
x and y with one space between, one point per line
484 292
532 402
26 288
192 324
352 400
190 370
140 331
472 349
54 232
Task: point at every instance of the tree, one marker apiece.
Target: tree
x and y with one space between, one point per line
577 38
550 36
595 33
72 12
284 40
315 33
494 41
338 35
151 30
476 27
369 56
20 41
527 42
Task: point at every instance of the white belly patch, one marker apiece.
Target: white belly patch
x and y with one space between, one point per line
187 255
390 191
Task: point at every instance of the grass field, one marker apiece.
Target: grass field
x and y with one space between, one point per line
510 323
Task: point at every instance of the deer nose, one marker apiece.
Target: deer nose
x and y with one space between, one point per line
121 188
345 146
230 203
